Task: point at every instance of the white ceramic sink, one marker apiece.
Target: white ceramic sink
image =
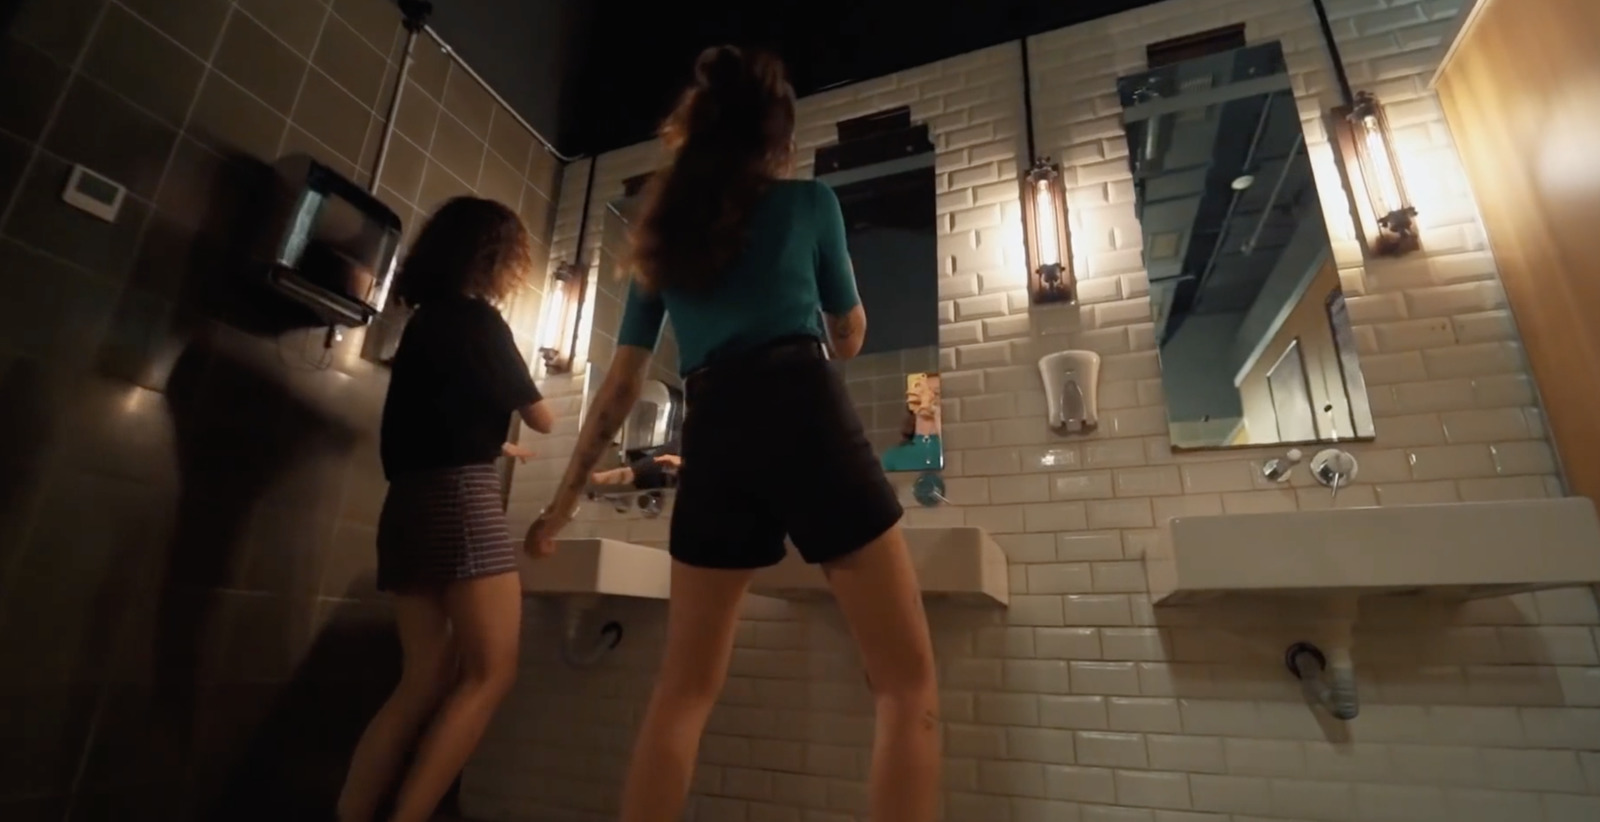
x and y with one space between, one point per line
595 566
952 563
1463 550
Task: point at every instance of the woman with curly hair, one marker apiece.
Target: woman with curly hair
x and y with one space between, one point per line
444 550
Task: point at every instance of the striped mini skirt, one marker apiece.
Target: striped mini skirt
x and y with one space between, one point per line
443 525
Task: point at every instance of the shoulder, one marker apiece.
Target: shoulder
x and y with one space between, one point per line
805 196
482 310
799 191
465 315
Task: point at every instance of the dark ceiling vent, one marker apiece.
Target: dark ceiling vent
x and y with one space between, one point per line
1190 46
872 125
635 184
876 138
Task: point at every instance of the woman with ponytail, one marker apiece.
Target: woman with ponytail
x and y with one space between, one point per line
753 269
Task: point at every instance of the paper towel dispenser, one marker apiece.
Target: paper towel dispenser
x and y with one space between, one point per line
331 245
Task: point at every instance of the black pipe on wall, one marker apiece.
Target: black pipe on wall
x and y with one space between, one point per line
1346 95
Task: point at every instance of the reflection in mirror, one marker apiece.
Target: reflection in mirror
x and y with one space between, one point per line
1255 342
656 417
928 490
646 453
889 213
890 225
648 456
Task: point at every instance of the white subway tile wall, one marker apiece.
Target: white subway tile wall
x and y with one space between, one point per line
1082 702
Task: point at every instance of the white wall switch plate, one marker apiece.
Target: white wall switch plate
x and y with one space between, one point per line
94 194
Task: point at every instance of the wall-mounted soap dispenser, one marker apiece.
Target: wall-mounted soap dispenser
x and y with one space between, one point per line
1071 390
329 245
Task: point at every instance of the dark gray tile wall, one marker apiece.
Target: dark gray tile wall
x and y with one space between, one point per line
188 493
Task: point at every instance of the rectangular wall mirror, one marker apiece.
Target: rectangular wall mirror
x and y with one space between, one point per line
648 441
1255 343
890 224
894 383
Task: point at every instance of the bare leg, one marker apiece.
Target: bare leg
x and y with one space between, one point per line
877 589
701 618
428 669
486 614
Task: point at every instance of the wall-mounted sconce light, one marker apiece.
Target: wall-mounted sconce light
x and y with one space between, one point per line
558 317
1044 226
1388 220
1044 216
1384 215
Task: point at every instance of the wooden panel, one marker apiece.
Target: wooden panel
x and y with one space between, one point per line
1522 96
1204 43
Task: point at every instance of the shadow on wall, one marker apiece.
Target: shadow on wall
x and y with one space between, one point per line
262 686
27 417
237 426
293 764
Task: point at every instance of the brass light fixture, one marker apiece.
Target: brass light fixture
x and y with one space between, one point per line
1387 217
1044 216
558 318
561 313
1044 225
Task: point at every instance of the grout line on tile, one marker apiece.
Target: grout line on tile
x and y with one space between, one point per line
37 145
183 129
294 108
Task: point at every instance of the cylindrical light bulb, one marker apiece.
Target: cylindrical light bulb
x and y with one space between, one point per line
1046 230
550 315
1382 172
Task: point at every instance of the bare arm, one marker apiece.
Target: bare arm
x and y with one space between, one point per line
847 332
610 410
538 416
842 312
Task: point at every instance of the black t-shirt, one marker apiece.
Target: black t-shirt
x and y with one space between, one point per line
457 378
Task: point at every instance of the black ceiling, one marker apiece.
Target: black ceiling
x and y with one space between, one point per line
528 50
628 62
641 51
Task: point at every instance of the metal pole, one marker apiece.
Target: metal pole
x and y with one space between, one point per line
1343 79
1027 103
394 109
416 13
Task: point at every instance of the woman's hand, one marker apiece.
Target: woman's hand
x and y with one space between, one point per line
517 452
672 461
541 538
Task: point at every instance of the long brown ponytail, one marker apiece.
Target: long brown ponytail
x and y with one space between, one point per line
729 137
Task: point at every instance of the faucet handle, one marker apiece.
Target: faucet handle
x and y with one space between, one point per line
1278 469
1334 468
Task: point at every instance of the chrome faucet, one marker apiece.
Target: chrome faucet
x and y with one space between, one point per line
1334 469
650 504
624 498
1279 469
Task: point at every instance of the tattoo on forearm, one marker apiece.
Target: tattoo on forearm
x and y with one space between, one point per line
842 327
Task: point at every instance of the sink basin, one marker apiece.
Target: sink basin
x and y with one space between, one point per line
962 564
596 566
1463 550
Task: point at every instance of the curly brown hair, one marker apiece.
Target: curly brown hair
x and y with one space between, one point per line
730 136
470 247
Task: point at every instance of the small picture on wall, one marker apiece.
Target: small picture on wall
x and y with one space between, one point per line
921 448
